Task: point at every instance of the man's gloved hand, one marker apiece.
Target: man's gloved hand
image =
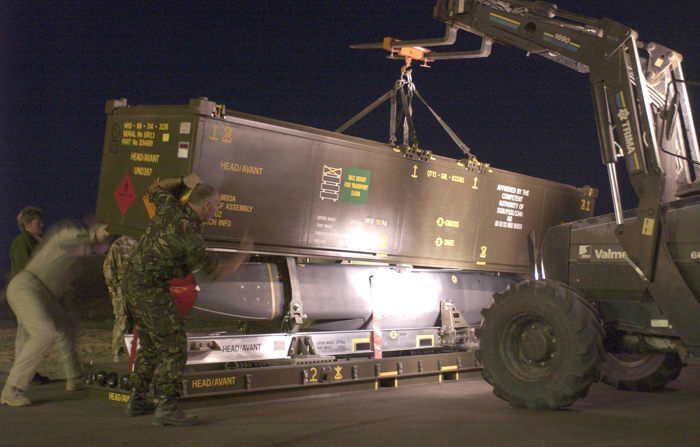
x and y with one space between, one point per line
101 233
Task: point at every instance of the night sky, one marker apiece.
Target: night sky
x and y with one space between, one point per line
288 60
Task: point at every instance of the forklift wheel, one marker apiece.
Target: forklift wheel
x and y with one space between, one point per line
541 345
640 371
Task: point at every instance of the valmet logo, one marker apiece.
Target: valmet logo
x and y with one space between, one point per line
587 252
584 252
609 254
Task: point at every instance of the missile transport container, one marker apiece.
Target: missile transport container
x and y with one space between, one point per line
320 205
378 252
306 192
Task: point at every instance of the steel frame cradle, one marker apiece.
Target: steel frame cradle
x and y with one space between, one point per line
299 374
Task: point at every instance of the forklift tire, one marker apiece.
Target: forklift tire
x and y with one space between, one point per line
640 371
540 345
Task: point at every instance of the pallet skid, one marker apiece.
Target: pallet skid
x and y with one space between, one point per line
340 361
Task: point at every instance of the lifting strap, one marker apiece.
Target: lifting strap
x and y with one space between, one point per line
365 111
465 149
405 89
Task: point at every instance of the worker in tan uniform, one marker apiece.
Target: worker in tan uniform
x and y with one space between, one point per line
37 297
31 228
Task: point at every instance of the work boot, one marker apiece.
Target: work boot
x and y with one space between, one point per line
14 397
75 384
40 380
168 413
138 404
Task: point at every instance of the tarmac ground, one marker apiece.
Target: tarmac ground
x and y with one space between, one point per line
451 413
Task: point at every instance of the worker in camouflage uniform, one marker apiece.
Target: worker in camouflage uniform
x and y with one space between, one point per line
172 246
114 269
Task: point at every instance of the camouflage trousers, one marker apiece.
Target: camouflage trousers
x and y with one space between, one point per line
122 325
162 352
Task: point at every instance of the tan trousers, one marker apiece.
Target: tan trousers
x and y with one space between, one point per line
42 320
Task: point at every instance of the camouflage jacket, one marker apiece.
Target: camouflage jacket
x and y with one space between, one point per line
172 245
117 260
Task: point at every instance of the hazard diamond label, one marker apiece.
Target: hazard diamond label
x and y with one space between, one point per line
125 194
150 206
